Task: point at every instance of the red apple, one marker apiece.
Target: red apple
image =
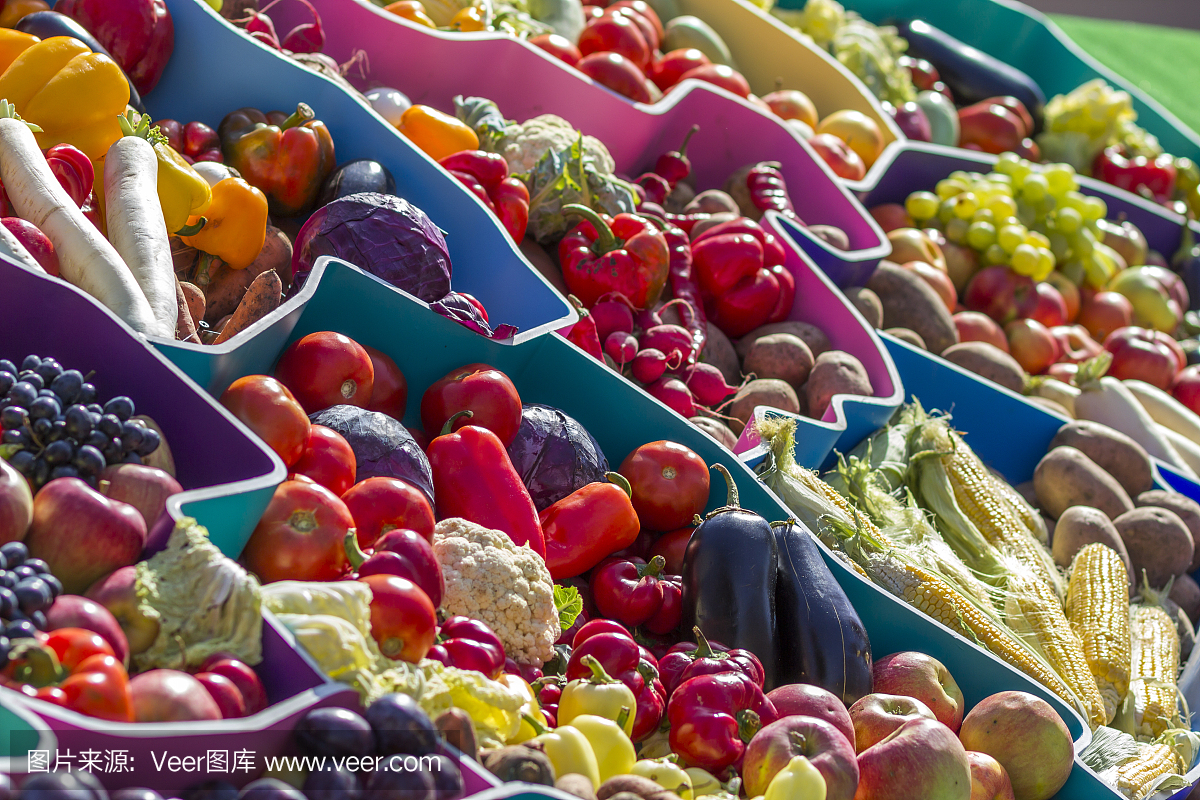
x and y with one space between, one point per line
1076 343
1031 344
16 504
914 244
73 611
243 677
168 695
1137 353
1045 304
961 262
802 699
226 695
914 674
876 715
995 291
1186 387
1103 312
117 592
1173 284
922 758
727 78
1027 737
1069 291
891 216
938 280
144 488
82 534
974 326
844 162
792 104
775 745
913 122
989 780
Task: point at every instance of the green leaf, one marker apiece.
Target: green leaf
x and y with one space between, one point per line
569 604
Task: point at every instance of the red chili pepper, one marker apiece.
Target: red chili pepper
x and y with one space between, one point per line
627 590
768 190
674 166
477 189
1158 175
469 644
688 660
655 188
595 627
583 334
723 260
627 255
487 168
587 525
713 717
511 199
747 305
74 171
473 478
787 293
667 618
625 660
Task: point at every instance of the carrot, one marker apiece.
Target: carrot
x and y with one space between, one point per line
261 299
85 257
195 300
185 328
136 226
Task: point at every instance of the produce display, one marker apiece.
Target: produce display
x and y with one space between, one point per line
485 592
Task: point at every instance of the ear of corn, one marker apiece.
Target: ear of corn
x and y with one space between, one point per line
1155 668
1098 610
1134 778
1028 516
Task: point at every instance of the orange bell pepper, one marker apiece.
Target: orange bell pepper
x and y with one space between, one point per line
411 10
438 134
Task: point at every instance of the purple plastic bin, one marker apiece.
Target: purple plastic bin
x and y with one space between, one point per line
431 67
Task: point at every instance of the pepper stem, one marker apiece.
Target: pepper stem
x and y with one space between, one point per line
449 426
598 673
353 552
538 727
192 230
703 648
682 151
749 723
731 500
654 568
619 480
623 717
606 240
303 114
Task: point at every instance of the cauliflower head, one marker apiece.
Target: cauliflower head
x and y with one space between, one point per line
525 144
491 579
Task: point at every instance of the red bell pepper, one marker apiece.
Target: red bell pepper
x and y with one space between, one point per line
685 222
1157 175
486 174
773 252
595 627
674 166
626 254
688 660
472 183
787 293
713 717
488 168
473 478
670 612
724 259
588 525
583 334
749 304
768 190
511 198
469 644
138 34
623 659
628 590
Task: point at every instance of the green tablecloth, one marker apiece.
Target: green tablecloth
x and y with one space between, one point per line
1163 62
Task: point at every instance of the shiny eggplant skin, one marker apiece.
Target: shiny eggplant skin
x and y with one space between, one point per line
352 177
48 24
820 638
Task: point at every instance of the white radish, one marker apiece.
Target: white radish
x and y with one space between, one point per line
10 245
1188 450
1166 410
1052 389
85 257
136 226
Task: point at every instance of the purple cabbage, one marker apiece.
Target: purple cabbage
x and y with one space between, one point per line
554 455
456 307
382 234
381 445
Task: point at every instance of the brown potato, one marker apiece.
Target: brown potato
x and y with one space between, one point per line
1083 525
576 784
1187 509
909 302
1116 453
712 201
1066 477
544 263
635 784
769 392
780 355
719 352
1025 489
1186 592
834 237
835 372
717 430
1159 544
867 303
813 336
906 335
987 361
735 186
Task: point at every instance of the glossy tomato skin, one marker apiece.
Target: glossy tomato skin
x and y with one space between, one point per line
668 69
558 46
300 536
403 619
670 484
270 410
99 695
328 459
671 546
484 391
74 645
389 389
107 665
53 694
380 504
327 369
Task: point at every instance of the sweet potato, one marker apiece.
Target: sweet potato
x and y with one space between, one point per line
195 299
780 355
183 258
261 298
1186 592
1066 477
769 392
987 361
575 784
909 302
635 784
719 352
906 335
1185 507
835 372
813 336
1083 525
867 303
227 286
185 325
1159 544
1116 453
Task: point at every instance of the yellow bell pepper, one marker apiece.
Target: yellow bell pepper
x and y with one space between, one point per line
72 94
599 694
182 193
12 44
667 774
568 750
411 10
470 19
236 225
610 744
799 780
530 708
438 134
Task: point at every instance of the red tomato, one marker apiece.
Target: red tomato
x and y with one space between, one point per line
616 72
643 8
645 26
73 645
668 69
99 695
268 409
52 694
670 484
403 620
301 536
616 33
671 547
327 369
328 460
389 391
484 391
558 46
107 665
720 75
381 504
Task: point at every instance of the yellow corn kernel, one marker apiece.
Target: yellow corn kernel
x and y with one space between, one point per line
1098 610
1134 777
1155 668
